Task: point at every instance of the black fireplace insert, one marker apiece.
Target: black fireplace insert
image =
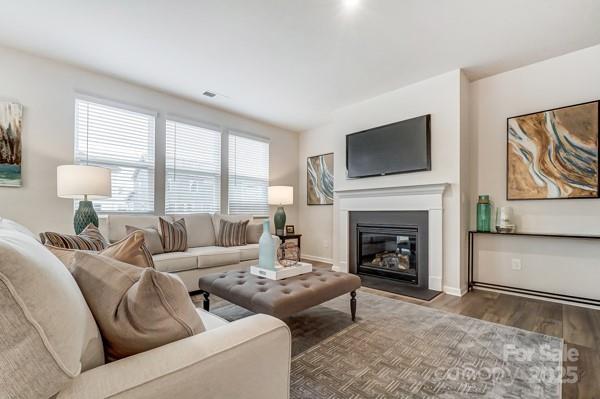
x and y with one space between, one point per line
389 252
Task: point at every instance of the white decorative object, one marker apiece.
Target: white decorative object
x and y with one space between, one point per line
503 220
281 272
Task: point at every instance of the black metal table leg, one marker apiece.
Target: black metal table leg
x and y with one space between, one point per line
353 305
206 302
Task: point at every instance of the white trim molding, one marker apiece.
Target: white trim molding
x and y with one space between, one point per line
426 197
316 258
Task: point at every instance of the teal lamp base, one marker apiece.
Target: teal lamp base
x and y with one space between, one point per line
85 215
279 220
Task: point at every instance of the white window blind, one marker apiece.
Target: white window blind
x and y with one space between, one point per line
248 175
193 161
123 141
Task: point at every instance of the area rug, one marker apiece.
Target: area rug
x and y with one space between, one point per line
400 350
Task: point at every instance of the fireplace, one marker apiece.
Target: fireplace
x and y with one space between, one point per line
389 251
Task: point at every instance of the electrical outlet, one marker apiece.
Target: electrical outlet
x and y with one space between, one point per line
516 264
325 243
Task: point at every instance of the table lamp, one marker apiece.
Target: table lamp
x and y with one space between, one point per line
85 183
279 196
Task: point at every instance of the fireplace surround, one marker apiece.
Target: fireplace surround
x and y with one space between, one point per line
426 197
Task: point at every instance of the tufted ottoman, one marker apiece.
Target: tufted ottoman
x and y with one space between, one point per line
279 298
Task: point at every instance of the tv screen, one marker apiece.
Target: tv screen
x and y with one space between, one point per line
399 147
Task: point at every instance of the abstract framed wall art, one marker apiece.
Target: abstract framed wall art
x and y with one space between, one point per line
11 119
319 180
553 154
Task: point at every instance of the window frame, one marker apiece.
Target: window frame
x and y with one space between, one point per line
80 96
201 125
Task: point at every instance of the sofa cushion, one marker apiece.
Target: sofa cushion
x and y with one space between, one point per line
90 239
137 309
48 333
200 230
174 235
215 256
117 223
217 217
151 238
247 252
175 261
8 224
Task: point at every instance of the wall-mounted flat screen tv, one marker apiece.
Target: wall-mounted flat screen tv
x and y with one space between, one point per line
399 147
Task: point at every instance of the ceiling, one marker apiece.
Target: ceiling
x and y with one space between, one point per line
292 62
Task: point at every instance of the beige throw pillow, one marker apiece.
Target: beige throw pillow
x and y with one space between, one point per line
130 249
174 235
47 332
136 309
253 233
151 236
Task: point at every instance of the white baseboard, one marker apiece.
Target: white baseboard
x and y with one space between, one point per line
583 305
454 291
317 258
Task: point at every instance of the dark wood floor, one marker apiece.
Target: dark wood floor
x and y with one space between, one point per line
578 326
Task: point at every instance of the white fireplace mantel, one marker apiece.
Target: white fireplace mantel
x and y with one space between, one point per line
426 197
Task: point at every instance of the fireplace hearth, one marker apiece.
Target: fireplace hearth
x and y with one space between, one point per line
389 251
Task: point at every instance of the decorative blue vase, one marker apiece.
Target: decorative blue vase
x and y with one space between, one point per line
84 215
266 248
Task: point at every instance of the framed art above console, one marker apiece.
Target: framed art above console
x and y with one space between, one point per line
553 154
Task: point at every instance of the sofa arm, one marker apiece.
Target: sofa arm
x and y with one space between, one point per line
248 358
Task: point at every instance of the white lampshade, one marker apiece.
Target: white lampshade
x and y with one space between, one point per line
77 181
281 195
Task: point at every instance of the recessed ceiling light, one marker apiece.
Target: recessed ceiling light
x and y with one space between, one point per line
209 94
351 4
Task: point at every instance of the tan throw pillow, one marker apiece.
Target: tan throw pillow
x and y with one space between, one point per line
137 309
174 235
130 249
90 239
253 233
232 234
151 236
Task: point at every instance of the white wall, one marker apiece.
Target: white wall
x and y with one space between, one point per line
438 96
47 90
568 266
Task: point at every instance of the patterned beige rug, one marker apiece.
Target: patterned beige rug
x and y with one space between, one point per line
401 350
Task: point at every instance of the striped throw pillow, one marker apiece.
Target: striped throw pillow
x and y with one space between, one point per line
232 234
174 235
90 239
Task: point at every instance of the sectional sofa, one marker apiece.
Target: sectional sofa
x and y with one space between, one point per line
203 256
55 348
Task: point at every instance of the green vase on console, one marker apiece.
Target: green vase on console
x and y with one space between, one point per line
280 196
85 183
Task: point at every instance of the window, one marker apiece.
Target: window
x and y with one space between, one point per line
193 175
123 141
248 175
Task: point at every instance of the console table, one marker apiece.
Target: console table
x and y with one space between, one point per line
543 294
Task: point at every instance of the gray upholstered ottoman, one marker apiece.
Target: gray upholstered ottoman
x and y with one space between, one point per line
279 298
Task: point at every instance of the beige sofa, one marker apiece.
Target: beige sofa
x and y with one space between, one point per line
55 346
203 255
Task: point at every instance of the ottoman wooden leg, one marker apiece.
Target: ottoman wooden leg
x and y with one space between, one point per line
353 304
206 302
